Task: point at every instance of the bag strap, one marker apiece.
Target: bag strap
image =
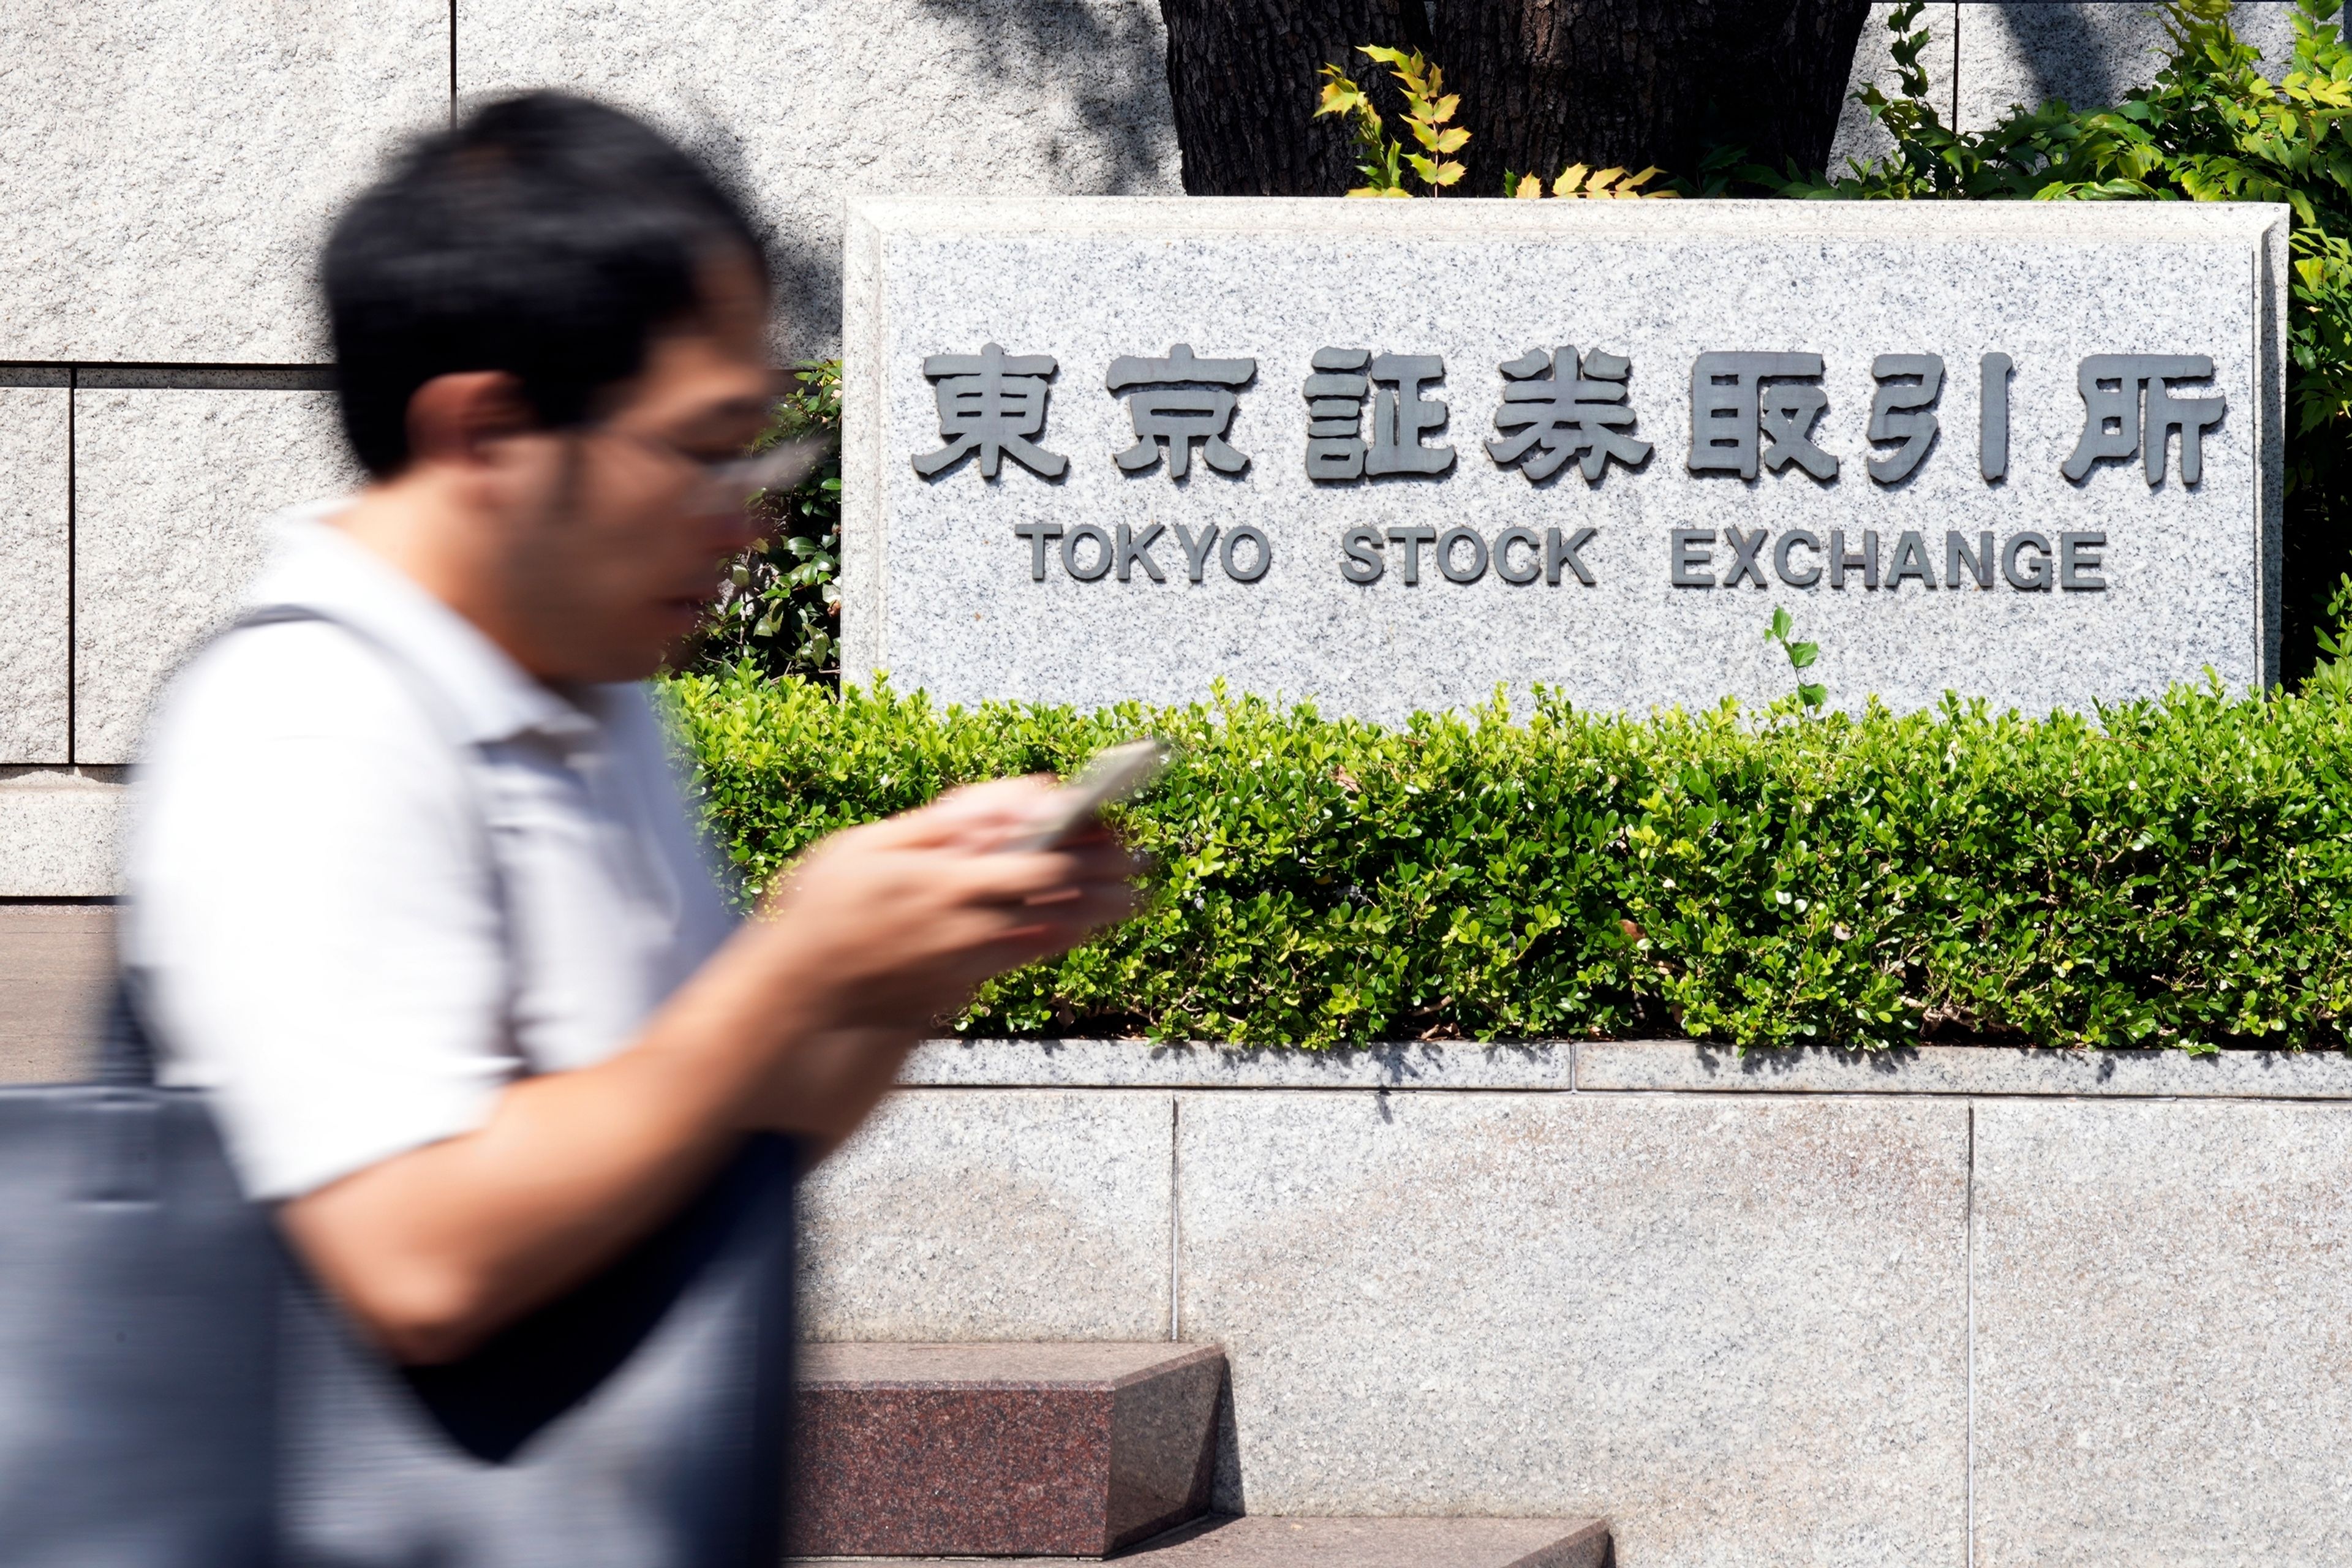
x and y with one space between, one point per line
127 1057
126 1053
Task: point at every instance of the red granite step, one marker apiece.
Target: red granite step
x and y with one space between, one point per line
1262 1540
1000 1450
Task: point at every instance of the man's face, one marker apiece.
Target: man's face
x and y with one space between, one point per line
617 532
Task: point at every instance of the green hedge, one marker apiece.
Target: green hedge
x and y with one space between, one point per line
2174 873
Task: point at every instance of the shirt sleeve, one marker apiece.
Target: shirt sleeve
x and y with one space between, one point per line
312 906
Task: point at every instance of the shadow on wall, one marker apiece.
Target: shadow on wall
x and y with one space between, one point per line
2087 54
2065 52
1987 56
1116 58
806 271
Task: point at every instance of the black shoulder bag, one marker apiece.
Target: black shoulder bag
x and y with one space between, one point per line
175 1392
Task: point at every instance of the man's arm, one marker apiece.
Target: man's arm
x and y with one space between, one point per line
798 1024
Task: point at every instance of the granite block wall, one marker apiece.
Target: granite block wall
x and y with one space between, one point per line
1985 55
1038 1214
169 170
34 597
171 489
953 581
1735 1330
1963 1305
808 105
2162 1353
172 166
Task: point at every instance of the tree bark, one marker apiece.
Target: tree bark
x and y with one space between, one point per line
1244 76
1544 83
1547 83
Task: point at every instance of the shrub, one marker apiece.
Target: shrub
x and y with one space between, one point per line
2212 127
2174 872
778 605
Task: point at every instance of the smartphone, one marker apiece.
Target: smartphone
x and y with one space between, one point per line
1116 774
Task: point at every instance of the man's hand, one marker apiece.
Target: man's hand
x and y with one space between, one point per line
894 923
887 929
798 1024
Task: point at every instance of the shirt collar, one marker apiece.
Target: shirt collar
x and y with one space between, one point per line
316 566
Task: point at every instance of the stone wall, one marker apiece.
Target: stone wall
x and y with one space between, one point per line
1041 583
1987 55
169 172
1960 1305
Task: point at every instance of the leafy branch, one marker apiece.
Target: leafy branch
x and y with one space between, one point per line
1813 694
1580 182
779 603
1427 107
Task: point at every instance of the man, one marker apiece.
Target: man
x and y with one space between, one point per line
411 886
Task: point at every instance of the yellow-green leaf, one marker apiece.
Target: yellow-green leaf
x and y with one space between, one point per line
1569 178
1531 189
1452 141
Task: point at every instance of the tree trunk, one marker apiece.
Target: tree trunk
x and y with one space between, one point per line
1243 76
1547 83
1544 83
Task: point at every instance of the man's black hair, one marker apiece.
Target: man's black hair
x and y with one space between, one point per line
546 236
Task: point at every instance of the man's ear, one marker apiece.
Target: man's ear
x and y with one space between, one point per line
452 418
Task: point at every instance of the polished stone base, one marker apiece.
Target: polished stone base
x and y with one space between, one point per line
1271 1541
1069 1450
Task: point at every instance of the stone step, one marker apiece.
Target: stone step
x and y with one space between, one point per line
1001 1450
1265 1540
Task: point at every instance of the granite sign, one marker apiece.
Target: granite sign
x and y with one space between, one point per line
1386 458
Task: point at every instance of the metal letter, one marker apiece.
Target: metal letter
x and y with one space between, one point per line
989 402
2034 580
1412 539
1691 564
1992 419
1070 552
1037 533
1265 553
1728 411
1842 563
1560 407
1177 415
2193 416
1196 550
1363 564
1135 551
1400 418
1788 412
1445 544
1557 555
1911 561
1744 546
1503 542
1979 561
2078 559
2135 376
1901 413
1788 542
1335 409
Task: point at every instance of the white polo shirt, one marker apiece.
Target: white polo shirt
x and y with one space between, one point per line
310 891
